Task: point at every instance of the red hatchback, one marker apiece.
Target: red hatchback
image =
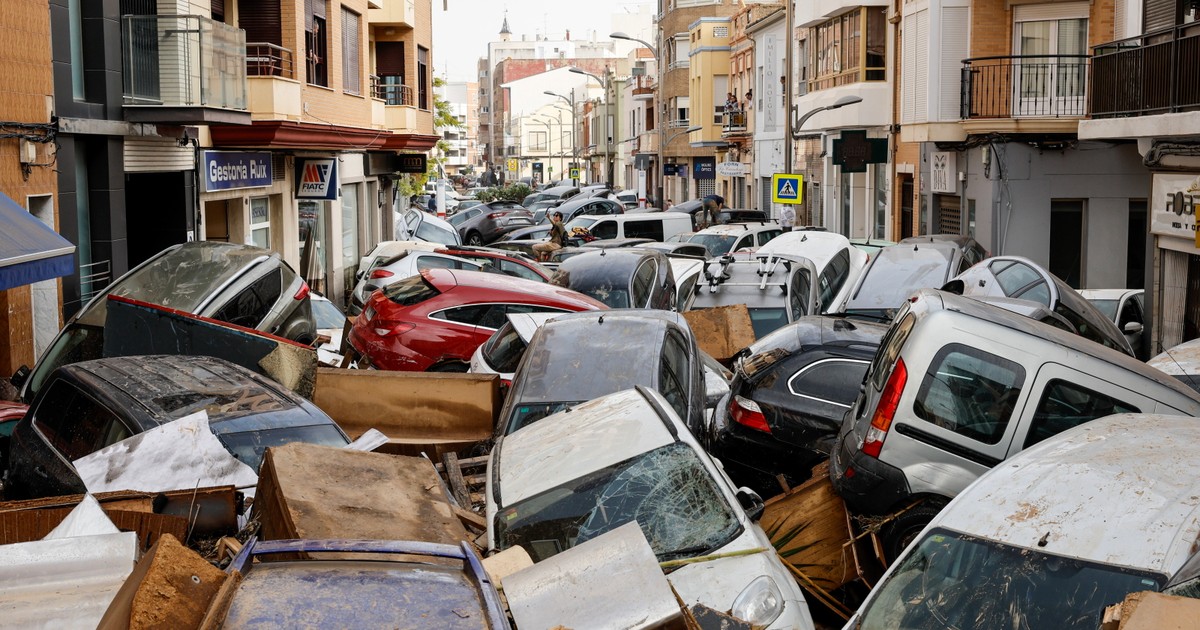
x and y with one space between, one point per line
436 320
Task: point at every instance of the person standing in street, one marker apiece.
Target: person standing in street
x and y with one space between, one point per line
557 237
787 217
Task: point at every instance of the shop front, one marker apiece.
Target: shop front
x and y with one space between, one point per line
1173 226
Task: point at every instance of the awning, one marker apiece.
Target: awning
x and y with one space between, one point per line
29 250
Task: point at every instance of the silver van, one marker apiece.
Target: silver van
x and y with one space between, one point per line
959 386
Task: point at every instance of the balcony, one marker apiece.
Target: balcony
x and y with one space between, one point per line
643 88
400 111
393 13
1024 93
735 123
269 60
1153 74
678 123
274 92
679 64
183 69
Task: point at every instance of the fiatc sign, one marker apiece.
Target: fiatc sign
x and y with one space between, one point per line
316 178
231 170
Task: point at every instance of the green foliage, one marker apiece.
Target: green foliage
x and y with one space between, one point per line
512 192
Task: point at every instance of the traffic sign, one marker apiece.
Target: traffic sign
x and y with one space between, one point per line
787 188
512 164
574 173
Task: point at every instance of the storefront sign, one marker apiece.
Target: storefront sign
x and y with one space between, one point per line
731 169
1174 200
673 170
704 168
316 178
230 170
942 172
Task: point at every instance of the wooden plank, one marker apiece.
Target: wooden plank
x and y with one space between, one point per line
454 476
469 518
475 480
808 527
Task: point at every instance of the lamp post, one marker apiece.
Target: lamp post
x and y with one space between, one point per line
574 137
658 106
607 104
668 141
550 134
841 102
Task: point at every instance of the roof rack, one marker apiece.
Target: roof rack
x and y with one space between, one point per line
767 266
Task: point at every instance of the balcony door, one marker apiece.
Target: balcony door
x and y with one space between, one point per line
1050 72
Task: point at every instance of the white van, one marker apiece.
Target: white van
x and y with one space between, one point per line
658 226
1055 535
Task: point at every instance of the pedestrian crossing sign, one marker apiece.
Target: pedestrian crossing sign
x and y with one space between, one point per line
574 173
787 188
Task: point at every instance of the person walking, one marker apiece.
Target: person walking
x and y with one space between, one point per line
787 217
557 238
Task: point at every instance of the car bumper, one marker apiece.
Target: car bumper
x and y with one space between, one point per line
867 485
388 355
756 459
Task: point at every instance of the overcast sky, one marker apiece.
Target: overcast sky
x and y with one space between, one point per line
461 34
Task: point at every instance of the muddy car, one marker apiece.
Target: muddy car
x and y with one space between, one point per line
628 457
238 284
89 405
621 278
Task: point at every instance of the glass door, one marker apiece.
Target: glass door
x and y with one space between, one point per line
1047 83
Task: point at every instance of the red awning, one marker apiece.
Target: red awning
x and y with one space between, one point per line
287 134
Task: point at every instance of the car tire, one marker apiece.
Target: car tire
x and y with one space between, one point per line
474 239
449 366
897 534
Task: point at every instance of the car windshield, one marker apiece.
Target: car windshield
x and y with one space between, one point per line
896 274
1107 307
409 291
952 580
614 297
716 244
249 446
327 315
436 234
667 491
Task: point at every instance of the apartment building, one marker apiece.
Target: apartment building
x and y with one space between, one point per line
1145 91
708 91
756 76
30 306
462 153
639 147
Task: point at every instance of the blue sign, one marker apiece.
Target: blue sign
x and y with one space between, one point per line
704 168
672 170
786 188
316 178
229 170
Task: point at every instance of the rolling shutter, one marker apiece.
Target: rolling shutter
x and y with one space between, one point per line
260 19
389 59
921 76
954 49
1159 14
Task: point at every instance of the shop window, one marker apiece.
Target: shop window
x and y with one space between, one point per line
260 222
350 227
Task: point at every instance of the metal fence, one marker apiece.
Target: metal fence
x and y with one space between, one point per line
1031 86
183 60
269 60
1156 73
391 90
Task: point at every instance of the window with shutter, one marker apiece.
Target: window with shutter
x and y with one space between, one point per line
351 60
1160 14
316 40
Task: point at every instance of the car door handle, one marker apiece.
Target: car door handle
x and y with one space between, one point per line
41 472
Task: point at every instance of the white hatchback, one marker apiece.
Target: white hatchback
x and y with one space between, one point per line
575 475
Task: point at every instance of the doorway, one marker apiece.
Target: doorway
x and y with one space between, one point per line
906 206
1066 240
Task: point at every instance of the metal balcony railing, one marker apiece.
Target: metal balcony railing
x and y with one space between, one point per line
1157 73
679 64
678 123
735 122
183 61
391 90
93 278
1025 86
269 60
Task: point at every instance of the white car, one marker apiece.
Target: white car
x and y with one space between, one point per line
423 226
502 352
687 272
575 475
838 262
331 323
1125 307
1055 534
392 261
730 237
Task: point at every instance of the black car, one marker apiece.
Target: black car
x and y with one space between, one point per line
578 357
787 399
621 278
89 405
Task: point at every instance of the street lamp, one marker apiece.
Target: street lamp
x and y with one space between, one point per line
841 102
574 138
668 141
550 143
658 105
607 132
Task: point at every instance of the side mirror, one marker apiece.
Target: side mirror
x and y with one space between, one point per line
20 376
358 275
750 502
1132 328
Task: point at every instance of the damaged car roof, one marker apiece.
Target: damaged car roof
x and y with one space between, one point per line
573 443
1120 490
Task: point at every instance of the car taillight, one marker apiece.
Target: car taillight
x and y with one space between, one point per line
497 215
387 328
747 413
381 273
302 293
885 411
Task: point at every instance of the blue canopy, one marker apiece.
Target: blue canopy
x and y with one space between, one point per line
29 250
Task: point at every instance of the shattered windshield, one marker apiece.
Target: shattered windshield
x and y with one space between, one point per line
667 491
951 580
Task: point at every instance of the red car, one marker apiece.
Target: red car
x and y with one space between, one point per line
504 261
436 320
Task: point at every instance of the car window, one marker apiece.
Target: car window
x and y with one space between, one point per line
832 381
517 269
472 314
889 348
744 241
611 207
801 288
74 424
409 291
686 289
767 235
427 231
643 283
604 229
1131 312
672 375
251 305
503 351
1014 277
1065 405
970 392
433 261
833 277
651 229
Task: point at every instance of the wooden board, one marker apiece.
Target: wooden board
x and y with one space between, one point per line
171 587
206 511
319 492
814 517
721 331
411 407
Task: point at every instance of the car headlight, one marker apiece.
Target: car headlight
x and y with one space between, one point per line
760 603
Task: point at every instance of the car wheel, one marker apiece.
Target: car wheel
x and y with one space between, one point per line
903 529
449 366
474 239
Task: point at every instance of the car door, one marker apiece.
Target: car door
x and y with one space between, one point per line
804 405
745 240
1129 320
249 306
1062 398
461 331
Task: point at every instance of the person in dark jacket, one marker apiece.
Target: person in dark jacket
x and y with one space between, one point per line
557 238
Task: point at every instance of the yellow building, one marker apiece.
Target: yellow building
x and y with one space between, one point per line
708 89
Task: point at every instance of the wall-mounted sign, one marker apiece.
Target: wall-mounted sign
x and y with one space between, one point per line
731 169
416 163
1173 203
943 172
854 151
230 170
704 168
673 170
316 178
